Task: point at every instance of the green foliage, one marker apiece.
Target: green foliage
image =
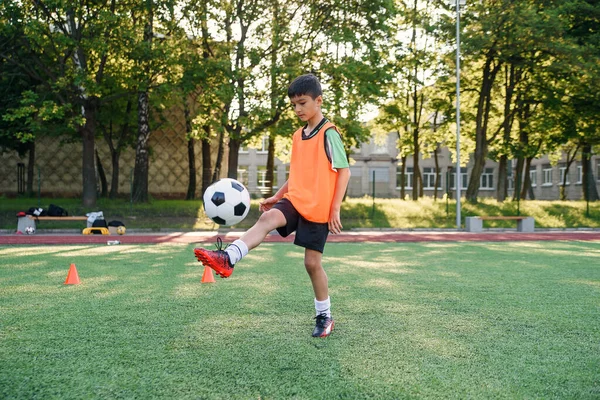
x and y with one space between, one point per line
232 61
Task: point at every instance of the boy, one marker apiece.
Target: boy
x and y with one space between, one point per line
308 203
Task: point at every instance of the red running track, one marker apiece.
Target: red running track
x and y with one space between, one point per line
345 237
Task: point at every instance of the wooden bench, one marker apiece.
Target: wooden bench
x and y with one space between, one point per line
475 224
66 218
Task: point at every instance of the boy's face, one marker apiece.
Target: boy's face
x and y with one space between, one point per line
306 107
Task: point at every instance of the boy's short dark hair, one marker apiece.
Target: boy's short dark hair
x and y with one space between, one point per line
307 84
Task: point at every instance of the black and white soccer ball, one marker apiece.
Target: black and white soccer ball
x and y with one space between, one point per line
226 202
30 230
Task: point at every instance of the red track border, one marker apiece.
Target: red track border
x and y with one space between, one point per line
345 237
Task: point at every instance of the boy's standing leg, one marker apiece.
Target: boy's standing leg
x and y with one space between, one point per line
318 277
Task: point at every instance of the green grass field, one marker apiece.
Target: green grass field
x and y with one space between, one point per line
413 320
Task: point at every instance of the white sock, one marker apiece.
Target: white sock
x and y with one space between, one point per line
236 251
323 307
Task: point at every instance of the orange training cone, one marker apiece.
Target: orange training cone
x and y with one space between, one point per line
72 276
207 276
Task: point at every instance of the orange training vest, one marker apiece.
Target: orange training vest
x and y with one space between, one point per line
311 184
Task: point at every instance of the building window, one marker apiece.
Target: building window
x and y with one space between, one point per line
243 149
563 170
242 174
463 178
429 179
381 175
547 175
510 179
408 177
487 179
579 174
379 148
261 179
533 177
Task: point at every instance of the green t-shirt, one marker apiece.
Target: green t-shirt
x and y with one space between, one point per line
336 150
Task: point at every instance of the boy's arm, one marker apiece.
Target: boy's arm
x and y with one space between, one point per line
269 202
341 184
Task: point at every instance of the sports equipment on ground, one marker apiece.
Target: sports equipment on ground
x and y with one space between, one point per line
226 202
30 230
215 259
121 230
323 327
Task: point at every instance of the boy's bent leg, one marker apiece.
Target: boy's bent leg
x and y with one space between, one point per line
268 221
220 261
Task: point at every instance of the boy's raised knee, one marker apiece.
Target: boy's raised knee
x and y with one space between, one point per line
272 218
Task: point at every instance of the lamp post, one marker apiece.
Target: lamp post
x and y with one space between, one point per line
458 3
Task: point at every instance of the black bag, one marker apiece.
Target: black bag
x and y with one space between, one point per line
99 223
38 212
56 211
116 223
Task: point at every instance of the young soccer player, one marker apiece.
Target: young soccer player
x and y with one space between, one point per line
308 203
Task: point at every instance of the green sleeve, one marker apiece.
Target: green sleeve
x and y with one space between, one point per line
336 149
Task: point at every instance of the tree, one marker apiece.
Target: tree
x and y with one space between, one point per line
67 48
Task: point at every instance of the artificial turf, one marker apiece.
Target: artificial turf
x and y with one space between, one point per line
413 320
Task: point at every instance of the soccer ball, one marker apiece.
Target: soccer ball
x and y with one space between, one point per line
121 230
226 202
30 230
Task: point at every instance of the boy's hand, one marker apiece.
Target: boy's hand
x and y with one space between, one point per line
267 203
335 223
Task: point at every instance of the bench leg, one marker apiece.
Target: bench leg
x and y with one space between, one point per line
473 224
526 225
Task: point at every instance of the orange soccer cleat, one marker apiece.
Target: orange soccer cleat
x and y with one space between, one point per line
218 259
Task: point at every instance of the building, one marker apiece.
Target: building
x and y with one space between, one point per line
375 170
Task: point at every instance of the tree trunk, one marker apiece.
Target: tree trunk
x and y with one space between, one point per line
114 180
416 168
527 190
270 173
590 191
218 163
509 85
191 191
481 121
502 189
570 159
206 161
270 166
191 146
115 151
232 162
403 178
518 178
102 176
140 172
30 168
88 169
437 172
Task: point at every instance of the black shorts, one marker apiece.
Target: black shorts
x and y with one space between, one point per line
310 235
